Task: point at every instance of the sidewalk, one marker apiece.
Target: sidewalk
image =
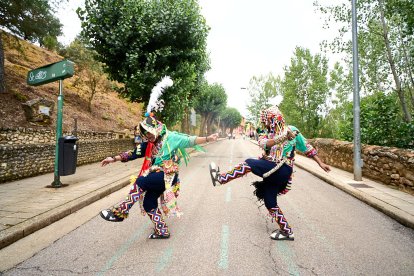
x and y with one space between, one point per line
394 203
28 205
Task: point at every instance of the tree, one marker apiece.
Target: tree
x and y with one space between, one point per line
90 72
231 118
142 41
404 9
211 100
305 91
340 85
384 39
380 122
33 20
262 90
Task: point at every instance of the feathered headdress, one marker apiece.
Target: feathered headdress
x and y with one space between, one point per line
150 124
154 104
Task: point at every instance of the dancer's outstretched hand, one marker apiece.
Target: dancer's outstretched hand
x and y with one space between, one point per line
213 137
107 160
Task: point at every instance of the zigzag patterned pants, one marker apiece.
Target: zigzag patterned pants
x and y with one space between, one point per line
160 226
272 185
152 185
121 209
277 214
238 171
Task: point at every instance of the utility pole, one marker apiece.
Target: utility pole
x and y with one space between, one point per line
357 108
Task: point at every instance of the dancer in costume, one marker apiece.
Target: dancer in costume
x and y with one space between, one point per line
158 178
275 166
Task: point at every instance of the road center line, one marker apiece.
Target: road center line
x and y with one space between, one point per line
224 255
228 194
123 249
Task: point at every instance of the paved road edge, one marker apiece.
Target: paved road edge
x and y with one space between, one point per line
393 212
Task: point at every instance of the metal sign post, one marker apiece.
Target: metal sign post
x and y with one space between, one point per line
46 74
357 108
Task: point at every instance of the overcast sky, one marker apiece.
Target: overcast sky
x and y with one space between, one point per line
247 38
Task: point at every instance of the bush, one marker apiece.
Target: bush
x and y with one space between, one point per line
381 123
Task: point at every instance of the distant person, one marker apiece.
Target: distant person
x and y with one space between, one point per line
137 136
275 166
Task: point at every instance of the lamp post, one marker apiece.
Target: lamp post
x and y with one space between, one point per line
357 110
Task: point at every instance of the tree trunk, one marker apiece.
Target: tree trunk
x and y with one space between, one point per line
400 92
185 128
209 122
2 78
202 125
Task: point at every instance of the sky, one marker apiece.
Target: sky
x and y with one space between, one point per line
247 38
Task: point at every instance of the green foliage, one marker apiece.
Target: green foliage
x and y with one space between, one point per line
380 122
19 96
141 41
404 9
210 101
262 90
305 90
32 20
340 85
385 46
91 73
51 43
231 118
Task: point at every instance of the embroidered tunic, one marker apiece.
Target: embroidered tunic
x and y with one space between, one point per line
284 150
166 156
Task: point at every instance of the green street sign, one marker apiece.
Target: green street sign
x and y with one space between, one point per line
49 73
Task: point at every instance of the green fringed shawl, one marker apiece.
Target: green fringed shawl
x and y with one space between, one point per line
176 143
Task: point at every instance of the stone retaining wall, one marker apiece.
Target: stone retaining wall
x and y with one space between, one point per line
21 161
390 166
25 136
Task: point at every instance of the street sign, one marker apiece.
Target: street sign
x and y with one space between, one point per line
49 73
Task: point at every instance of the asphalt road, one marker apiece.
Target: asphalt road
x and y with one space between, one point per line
225 231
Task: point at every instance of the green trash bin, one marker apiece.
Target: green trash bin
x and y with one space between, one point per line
68 155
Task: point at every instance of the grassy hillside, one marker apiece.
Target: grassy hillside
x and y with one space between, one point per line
109 112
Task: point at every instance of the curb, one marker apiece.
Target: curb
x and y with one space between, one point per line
30 226
393 212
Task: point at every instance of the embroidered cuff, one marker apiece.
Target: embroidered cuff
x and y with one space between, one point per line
311 151
124 156
280 139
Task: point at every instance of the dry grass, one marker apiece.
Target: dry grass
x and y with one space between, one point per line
109 112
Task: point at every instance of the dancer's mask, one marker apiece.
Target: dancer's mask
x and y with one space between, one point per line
272 117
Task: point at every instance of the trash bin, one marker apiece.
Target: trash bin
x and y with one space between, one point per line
68 155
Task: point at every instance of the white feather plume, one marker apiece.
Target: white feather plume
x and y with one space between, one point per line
156 92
